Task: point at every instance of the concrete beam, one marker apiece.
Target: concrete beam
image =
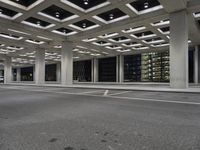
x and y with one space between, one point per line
173 5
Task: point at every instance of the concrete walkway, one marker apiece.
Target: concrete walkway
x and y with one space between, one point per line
162 87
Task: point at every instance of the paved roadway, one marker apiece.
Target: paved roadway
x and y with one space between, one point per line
51 118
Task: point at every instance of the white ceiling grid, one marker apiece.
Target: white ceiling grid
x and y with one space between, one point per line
97 40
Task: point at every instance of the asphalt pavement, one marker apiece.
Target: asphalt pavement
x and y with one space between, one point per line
52 118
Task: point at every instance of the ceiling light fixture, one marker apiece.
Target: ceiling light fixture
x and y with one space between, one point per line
57 14
84 25
111 16
86 2
143 34
146 5
38 23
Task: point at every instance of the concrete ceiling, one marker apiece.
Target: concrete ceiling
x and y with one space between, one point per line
113 27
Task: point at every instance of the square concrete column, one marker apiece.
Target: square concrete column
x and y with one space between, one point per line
121 68
58 72
179 50
67 63
117 67
34 73
95 70
18 74
196 65
7 70
40 66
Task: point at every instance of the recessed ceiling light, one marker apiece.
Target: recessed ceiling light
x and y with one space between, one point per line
86 2
143 34
57 14
84 25
111 16
146 5
38 23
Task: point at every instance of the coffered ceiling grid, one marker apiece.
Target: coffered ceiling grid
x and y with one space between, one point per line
49 35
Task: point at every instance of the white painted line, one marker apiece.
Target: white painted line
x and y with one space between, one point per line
42 91
154 100
116 97
97 91
106 93
119 93
50 89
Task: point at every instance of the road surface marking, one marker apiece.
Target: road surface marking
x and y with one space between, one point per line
119 93
88 92
116 97
106 93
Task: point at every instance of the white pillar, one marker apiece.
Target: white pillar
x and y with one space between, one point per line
179 50
18 74
40 66
34 73
196 65
199 67
58 72
117 67
121 68
7 70
95 70
67 63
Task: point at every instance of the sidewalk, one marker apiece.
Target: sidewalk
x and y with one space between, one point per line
156 87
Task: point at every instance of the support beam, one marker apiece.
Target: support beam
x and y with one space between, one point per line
196 65
95 70
7 70
179 50
199 67
121 68
34 73
18 74
67 63
117 68
171 5
58 72
40 66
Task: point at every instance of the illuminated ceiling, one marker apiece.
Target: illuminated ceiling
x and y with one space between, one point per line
98 28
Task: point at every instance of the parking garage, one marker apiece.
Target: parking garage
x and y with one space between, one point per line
99 74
